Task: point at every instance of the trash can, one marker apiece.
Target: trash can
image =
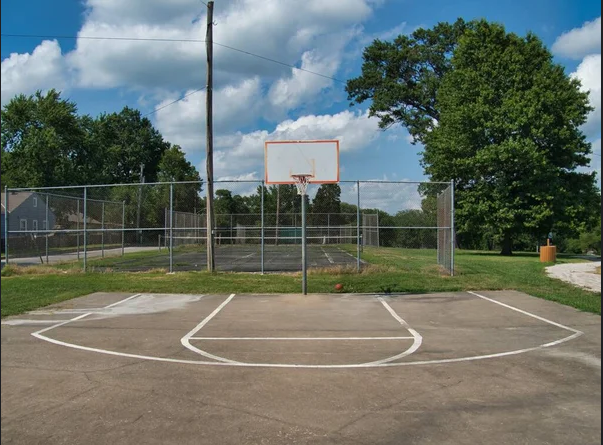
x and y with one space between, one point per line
548 254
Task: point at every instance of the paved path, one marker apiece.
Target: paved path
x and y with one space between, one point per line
578 274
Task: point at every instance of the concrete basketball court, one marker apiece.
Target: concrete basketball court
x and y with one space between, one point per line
459 368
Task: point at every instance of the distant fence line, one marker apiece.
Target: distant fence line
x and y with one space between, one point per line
50 224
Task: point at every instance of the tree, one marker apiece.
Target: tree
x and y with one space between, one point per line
173 166
42 141
127 140
327 199
402 78
509 135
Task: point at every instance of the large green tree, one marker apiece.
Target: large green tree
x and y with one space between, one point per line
126 141
401 78
42 141
509 134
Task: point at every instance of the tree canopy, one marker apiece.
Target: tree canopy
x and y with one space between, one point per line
494 114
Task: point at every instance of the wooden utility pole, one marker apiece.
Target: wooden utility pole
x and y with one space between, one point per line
209 162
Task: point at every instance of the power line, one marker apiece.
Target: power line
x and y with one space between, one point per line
173 102
133 39
145 39
279 62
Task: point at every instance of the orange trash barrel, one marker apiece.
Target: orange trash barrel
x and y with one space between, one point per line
548 254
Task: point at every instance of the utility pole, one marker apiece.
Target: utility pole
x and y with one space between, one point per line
209 162
140 203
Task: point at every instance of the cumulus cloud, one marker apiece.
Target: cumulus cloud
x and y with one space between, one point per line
234 106
391 197
243 152
589 74
264 28
43 69
578 42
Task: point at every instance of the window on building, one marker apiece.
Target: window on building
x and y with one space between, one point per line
35 202
34 225
22 224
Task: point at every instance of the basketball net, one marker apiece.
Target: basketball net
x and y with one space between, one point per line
301 182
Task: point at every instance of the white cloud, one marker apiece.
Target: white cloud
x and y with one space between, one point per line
184 123
579 42
244 152
267 28
589 74
391 197
26 73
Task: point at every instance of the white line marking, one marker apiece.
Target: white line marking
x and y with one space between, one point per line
537 317
300 338
327 255
417 339
186 339
37 333
62 323
348 366
122 301
22 321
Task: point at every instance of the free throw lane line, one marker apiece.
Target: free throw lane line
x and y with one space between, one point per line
186 339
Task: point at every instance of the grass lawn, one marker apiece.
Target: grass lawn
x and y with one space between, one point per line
390 270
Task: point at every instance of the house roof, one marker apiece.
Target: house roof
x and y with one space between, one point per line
15 199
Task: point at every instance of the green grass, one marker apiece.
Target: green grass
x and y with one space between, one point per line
390 270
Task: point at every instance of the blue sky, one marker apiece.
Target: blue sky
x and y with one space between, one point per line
254 99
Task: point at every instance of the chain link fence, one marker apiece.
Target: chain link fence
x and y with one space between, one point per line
257 228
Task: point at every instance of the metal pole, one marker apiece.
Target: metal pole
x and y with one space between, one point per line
47 225
452 228
262 231
78 228
159 242
209 161
123 226
103 231
358 227
303 236
6 212
85 226
171 227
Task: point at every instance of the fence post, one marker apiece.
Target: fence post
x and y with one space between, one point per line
47 225
171 227
123 226
103 230
262 231
358 227
6 224
85 226
452 243
77 226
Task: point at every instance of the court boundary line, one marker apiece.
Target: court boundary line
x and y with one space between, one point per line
299 338
576 334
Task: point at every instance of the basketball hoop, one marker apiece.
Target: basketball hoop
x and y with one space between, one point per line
301 182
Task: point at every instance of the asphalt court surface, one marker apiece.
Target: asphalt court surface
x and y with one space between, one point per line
241 258
483 367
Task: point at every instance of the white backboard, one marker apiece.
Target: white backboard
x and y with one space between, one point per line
317 158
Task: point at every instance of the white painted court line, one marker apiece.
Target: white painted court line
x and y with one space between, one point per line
300 338
327 255
575 334
417 339
62 323
25 321
521 311
186 339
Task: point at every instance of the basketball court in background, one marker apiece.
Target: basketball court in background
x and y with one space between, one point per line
483 367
